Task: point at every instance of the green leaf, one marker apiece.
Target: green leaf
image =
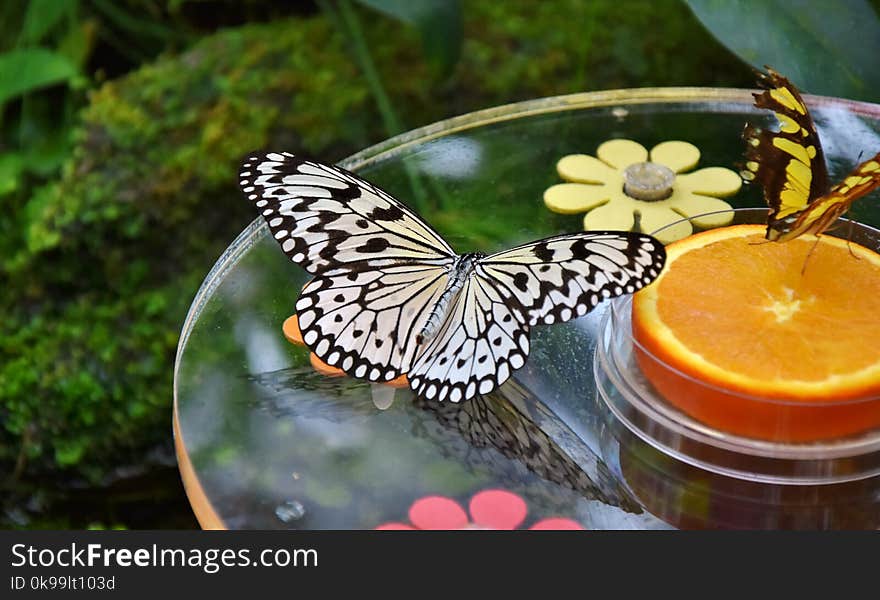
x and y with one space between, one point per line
45 157
135 22
11 165
23 71
825 48
69 453
78 42
42 16
44 129
439 23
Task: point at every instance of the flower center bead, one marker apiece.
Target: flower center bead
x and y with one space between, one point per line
648 181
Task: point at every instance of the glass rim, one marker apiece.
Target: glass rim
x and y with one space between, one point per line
741 98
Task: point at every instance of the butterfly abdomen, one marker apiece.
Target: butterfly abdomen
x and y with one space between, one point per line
459 271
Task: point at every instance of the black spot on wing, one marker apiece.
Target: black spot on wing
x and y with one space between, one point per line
579 249
323 219
295 246
543 252
328 252
521 281
374 245
391 213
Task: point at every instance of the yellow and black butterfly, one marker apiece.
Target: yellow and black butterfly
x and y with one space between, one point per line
790 165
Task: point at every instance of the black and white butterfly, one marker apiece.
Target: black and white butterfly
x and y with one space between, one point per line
389 296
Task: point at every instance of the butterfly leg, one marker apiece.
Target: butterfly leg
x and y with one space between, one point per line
850 224
849 241
809 254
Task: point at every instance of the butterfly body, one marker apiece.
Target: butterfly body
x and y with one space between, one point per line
790 166
460 271
389 296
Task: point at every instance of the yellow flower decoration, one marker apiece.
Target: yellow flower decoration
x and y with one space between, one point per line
626 180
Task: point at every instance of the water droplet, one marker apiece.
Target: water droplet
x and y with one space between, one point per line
290 511
383 396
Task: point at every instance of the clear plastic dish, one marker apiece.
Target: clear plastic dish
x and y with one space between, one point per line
688 497
631 398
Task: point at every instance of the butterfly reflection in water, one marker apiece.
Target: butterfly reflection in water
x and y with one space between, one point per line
389 296
790 165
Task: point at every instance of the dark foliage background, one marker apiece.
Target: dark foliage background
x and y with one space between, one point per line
122 126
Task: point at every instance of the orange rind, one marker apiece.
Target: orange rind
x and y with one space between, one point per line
776 341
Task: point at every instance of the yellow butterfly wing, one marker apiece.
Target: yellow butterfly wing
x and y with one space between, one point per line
824 211
790 165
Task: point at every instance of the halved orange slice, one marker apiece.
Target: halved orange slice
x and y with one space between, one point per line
743 335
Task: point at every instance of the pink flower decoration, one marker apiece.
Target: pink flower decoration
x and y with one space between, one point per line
489 509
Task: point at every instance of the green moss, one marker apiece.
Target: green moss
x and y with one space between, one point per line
99 267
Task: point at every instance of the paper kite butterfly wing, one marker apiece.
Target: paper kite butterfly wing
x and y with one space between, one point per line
378 267
788 163
483 339
325 217
486 336
365 321
559 278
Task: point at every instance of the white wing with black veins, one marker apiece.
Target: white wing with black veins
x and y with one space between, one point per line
481 342
325 217
365 322
563 277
